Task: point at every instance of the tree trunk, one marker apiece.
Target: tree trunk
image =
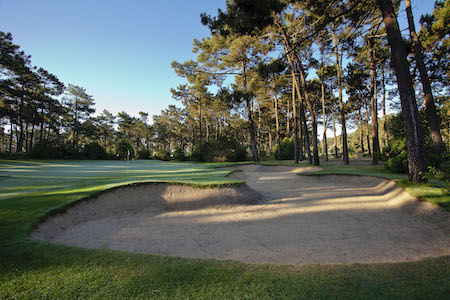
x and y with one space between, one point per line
294 112
361 131
413 131
32 134
334 133
200 121
324 143
21 133
288 118
373 105
11 135
367 127
207 127
386 136
432 116
341 103
305 134
250 116
277 126
75 137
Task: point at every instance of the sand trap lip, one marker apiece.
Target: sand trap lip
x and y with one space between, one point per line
276 217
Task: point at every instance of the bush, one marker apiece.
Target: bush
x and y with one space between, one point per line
240 154
93 151
178 155
43 150
123 147
202 152
220 150
144 154
395 157
287 149
162 154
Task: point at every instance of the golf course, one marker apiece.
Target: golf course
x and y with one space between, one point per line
36 192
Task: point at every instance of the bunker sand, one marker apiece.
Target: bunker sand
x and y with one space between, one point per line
276 217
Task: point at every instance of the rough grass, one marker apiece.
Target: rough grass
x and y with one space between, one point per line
31 269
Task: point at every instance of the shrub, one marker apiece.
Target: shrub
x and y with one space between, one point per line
93 151
240 154
123 147
43 150
144 154
220 150
162 154
202 152
287 149
178 155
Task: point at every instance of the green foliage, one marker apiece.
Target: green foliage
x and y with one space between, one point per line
144 154
43 150
123 147
93 151
223 149
396 157
179 155
287 149
51 150
162 154
202 152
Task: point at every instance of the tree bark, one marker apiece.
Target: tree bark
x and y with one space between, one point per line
432 116
386 136
277 126
368 131
334 133
250 116
373 105
324 143
21 133
305 134
294 112
413 131
341 103
361 131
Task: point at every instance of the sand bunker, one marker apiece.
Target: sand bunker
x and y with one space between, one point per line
276 217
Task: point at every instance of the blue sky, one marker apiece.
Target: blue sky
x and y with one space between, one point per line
120 51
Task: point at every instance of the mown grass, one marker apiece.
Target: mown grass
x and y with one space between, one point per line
31 269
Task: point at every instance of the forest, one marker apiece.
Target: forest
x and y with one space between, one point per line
276 79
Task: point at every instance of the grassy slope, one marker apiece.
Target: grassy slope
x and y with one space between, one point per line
32 269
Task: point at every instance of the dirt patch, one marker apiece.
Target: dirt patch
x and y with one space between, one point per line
277 217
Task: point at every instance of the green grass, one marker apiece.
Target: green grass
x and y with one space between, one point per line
29 269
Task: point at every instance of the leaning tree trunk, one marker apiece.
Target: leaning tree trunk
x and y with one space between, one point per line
311 112
413 131
432 116
294 112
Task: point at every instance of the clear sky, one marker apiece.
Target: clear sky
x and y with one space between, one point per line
120 51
